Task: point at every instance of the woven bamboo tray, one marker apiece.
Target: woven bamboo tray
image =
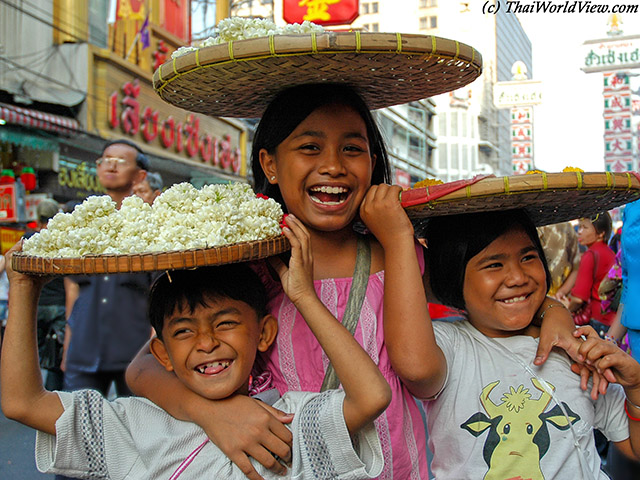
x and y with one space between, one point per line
547 197
239 79
150 262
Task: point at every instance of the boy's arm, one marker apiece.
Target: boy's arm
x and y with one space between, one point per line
367 393
239 426
603 354
408 331
23 397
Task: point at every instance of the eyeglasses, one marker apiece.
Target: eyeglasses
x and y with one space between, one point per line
111 161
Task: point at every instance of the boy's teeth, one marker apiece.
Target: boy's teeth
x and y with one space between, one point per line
213 367
515 299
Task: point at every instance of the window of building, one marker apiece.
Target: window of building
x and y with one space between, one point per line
374 7
455 162
442 124
442 156
433 22
464 124
416 148
375 27
423 23
365 8
432 3
454 124
465 158
417 116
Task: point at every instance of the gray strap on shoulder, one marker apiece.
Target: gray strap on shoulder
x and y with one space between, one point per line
354 303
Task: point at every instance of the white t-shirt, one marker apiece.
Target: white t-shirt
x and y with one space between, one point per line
493 417
132 438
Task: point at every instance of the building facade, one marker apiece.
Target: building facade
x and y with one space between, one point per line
69 81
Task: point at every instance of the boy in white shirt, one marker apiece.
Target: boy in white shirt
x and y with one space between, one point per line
211 323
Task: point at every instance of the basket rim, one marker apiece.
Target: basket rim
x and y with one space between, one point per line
172 79
112 263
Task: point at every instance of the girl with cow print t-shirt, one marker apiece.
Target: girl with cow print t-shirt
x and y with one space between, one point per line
496 414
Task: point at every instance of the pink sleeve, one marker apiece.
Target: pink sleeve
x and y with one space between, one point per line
584 282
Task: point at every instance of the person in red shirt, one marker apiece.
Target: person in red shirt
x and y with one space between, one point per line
593 233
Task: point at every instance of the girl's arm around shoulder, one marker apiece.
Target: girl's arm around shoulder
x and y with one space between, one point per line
409 337
239 426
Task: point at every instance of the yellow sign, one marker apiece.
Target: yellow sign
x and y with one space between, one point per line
8 238
317 9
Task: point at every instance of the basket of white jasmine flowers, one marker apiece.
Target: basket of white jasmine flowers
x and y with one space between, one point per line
184 228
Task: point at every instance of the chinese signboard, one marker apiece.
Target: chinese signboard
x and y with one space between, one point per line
611 54
521 139
518 93
8 206
618 137
322 12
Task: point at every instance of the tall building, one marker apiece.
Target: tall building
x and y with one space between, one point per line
474 136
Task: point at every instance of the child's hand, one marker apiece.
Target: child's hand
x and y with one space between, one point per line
15 278
384 216
297 279
606 356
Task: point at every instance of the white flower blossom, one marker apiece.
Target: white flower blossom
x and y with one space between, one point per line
237 28
179 219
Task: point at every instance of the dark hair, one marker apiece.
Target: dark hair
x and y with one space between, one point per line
601 221
290 107
190 288
154 180
141 159
453 240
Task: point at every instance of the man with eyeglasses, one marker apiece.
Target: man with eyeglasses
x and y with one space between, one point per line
106 314
122 165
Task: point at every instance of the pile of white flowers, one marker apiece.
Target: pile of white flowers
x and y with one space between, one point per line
183 217
237 28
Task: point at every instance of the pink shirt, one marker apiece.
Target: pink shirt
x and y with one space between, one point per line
297 362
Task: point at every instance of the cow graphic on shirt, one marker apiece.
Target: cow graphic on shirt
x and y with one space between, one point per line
518 437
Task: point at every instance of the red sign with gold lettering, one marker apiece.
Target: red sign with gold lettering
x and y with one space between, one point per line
322 12
8 210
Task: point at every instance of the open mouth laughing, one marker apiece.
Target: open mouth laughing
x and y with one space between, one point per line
328 195
213 368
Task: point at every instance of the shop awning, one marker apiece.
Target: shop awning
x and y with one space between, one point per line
36 119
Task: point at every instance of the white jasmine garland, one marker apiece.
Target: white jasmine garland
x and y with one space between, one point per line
183 217
237 28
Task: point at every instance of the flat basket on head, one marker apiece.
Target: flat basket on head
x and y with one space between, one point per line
150 262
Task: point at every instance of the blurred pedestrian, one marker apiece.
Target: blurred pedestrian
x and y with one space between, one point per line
560 245
150 188
107 322
584 300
